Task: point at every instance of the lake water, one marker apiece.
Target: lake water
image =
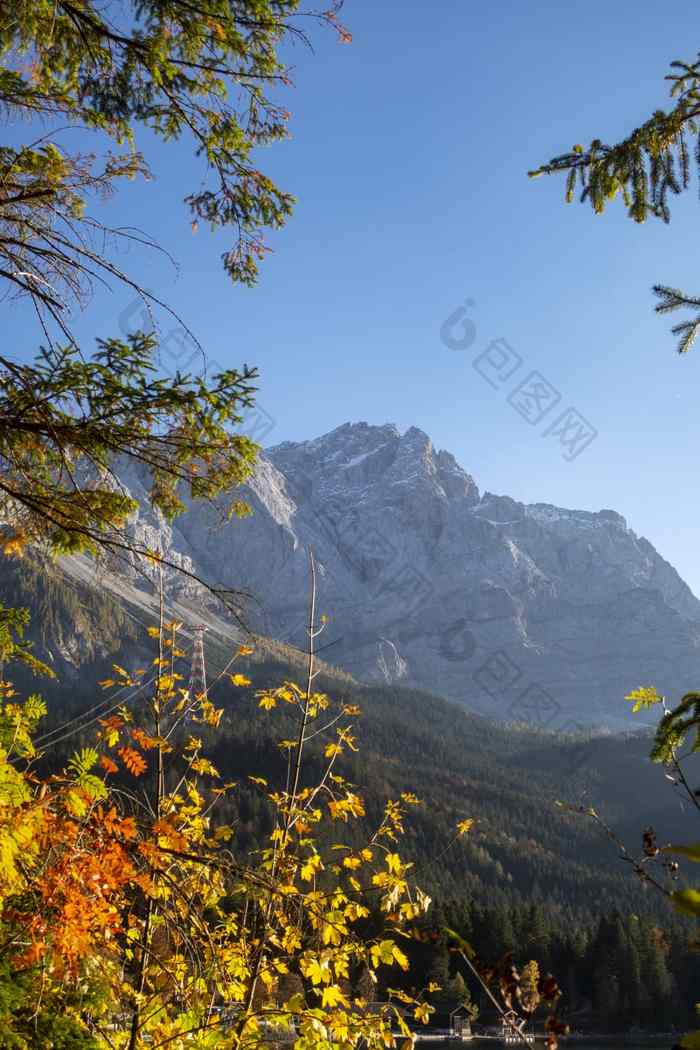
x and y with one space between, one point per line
628 1043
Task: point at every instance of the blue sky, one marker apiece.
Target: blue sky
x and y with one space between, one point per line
409 157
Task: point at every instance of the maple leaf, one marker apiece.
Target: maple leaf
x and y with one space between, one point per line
316 970
332 995
312 865
385 952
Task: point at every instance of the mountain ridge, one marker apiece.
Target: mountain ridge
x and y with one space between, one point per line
488 571
523 612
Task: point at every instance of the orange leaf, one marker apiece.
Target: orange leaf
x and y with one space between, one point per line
108 764
127 828
143 739
113 722
133 760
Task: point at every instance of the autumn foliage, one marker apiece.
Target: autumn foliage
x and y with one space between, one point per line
117 876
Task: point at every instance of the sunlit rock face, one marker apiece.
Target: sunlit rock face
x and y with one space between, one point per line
525 612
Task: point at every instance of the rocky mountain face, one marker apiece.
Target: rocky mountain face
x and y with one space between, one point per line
524 612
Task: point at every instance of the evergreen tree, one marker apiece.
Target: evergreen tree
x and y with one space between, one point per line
658 980
645 169
141 70
438 971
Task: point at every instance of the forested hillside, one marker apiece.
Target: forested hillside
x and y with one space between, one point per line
507 777
529 878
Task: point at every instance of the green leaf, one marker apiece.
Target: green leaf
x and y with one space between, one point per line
83 761
690 852
687 901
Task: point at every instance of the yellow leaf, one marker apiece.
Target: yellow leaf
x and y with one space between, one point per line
422 1012
410 799
203 765
355 911
645 696
384 952
239 679
312 865
332 995
409 910
464 826
393 863
316 970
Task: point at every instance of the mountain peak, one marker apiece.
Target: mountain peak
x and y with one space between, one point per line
356 457
347 434
526 612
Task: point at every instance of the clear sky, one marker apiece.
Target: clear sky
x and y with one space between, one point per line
409 157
